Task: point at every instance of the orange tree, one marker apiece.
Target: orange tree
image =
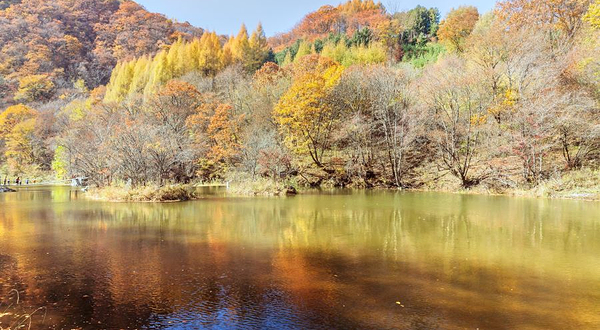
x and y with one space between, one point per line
457 26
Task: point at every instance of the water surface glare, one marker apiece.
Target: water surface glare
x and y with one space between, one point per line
343 259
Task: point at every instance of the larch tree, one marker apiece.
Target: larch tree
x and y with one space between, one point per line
241 45
211 54
140 75
258 50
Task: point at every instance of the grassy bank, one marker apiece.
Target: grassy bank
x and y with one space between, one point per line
242 184
583 184
172 193
260 187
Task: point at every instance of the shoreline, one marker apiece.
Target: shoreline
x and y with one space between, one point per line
127 195
582 185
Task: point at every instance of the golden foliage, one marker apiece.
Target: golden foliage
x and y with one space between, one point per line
457 26
303 113
563 15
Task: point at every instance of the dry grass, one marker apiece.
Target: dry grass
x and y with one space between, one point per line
14 317
259 187
244 185
582 184
172 193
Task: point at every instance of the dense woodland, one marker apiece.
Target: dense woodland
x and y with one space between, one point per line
354 95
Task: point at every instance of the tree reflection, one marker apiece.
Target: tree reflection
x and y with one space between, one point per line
312 261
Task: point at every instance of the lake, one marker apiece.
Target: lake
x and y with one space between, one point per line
333 259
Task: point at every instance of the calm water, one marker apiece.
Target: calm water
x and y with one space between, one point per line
319 261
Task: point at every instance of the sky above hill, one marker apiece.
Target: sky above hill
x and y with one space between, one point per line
226 16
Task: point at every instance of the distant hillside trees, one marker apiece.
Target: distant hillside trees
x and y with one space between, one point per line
360 97
65 41
207 55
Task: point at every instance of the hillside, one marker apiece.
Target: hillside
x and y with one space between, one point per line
49 45
345 18
358 96
405 35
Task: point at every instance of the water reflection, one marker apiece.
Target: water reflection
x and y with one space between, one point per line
337 260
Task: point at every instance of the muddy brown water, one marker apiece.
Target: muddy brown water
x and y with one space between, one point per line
337 259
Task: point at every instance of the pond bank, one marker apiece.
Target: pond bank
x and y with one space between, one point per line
581 185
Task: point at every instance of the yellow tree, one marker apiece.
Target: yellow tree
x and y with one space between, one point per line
19 145
593 15
258 50
303 50
288 59
241 45
304 115
17 124
587 48
14 115
159 73
140 75
120 81
34 88
192 55
228 52
211 54
176 59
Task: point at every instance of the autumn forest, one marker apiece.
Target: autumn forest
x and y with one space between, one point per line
354 95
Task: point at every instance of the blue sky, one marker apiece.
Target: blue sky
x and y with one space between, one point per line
226 16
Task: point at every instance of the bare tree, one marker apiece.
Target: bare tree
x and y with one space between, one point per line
457 108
